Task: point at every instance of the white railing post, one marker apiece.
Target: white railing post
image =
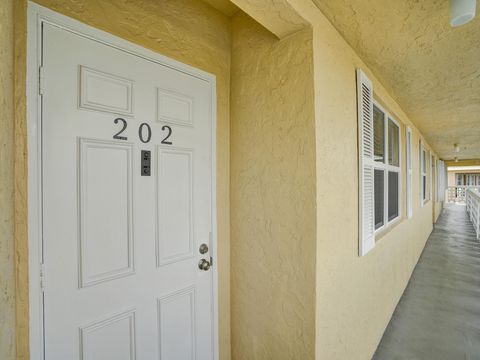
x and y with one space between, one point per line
478 218
472 198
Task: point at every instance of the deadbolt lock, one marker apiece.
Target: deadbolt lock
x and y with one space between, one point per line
203 249
204 265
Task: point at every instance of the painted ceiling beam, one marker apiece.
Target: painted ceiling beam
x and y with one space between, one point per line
277 16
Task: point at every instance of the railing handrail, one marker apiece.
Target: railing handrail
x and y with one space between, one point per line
474 192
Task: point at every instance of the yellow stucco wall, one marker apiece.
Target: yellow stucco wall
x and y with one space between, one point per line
189 31
272 194
471 162
355 296
298 285
7 278
452 175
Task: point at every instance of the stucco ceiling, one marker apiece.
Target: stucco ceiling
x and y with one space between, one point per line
432 69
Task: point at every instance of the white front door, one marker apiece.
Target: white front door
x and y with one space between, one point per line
127 185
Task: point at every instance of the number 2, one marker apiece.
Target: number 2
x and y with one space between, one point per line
141 135
169 129
117 135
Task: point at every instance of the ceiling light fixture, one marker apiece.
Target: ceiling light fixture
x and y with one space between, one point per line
462 11
456 148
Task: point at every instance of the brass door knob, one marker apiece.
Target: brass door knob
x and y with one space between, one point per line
203 265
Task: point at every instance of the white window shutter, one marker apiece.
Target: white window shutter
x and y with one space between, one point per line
441 180
409 174
421 162
365 159
430 172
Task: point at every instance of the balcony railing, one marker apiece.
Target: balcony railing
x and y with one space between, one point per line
473 208
458 193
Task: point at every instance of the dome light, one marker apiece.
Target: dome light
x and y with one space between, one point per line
462 11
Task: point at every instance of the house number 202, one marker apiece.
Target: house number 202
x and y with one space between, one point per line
144 132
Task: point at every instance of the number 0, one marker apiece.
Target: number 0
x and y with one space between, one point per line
149 133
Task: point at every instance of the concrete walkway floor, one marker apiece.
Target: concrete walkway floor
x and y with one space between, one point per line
438 316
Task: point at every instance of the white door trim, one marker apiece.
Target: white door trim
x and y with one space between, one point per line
37 15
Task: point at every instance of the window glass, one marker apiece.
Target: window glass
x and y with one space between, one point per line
378 134
424 187
379 198
392 195
424 163
409 150
393 143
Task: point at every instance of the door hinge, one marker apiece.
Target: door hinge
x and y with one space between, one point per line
42 277
41 80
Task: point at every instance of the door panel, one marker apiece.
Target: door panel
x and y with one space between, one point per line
106 222
177 332
174 204
95 339
127 184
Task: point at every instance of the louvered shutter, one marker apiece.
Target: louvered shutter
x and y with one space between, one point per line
422 172
365 159
409 174
430 172
441 180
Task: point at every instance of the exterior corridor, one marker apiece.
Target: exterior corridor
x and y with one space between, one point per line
438 316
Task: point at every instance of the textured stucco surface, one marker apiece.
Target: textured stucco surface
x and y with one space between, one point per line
186 30
469 162
225 6
431 68
355 296
7 277
452 175
272 194
277 16
297 281
20 173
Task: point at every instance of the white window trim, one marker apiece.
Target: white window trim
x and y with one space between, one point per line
432 172
409 171
423 172
387 167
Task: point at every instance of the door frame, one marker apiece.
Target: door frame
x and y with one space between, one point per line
36 17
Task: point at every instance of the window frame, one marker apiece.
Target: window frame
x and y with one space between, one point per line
433 167
423 174
386 168
432 173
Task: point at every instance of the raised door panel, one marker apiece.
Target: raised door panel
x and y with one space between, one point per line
174 205
105 211
175 108
105 92
176 325
111 338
